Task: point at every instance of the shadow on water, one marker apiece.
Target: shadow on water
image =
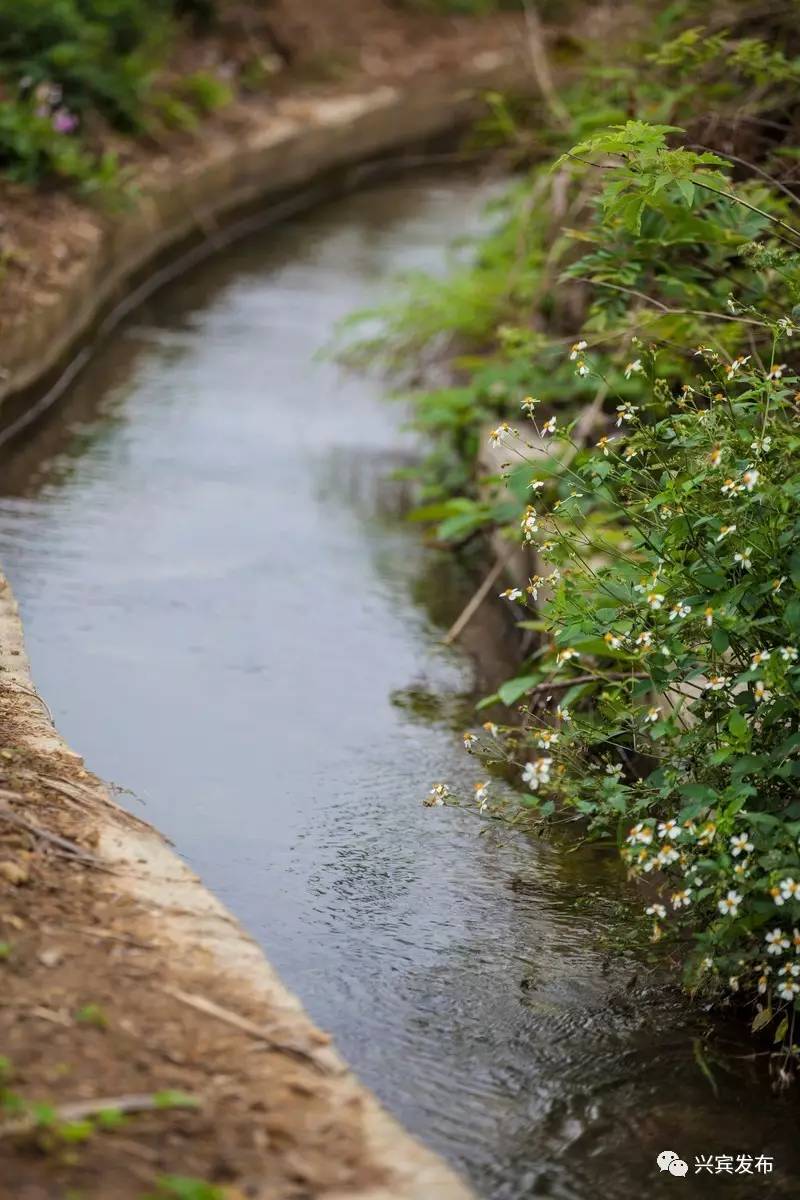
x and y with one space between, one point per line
228 614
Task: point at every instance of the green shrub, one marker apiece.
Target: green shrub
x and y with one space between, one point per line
95 55
657 285
670 639
68 66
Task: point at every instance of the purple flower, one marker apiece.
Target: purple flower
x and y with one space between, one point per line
64 121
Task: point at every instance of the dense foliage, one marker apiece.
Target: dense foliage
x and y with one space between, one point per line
644 286
70 67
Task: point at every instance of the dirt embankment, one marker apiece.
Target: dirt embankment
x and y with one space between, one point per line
314 53
143 1034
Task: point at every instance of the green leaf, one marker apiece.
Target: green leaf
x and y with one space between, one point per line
738 725
719 639
510 691
699 792
75 1131
791 615
687 190
171 1098
761 1019
713 581
184 1187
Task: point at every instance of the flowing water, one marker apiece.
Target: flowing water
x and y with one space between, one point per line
228 615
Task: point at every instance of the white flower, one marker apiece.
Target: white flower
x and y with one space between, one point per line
547 738
549 425
481 790
679 610
761 692
776 372
656 910
737 364
666 855
633 368
649 582
743 558
740 844
715 457
563 714
469 740
537 772
529 523
715 683
788 653
759 657
490 728
730 487
536 485
788 989
626 412
707 834
612 640
750 478
528 405
582 369
790 889
669 829
729 905
655 600
762 446
733 983
576 349
785 325
604 443
511 594
640 833
776 941
653 714
500 434
725 531
565 655
681 899
437 795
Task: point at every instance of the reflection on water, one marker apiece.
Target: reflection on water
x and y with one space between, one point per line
228 616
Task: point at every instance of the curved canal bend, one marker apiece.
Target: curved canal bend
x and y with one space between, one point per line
228 615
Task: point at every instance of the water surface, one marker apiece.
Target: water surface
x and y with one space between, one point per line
228 616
